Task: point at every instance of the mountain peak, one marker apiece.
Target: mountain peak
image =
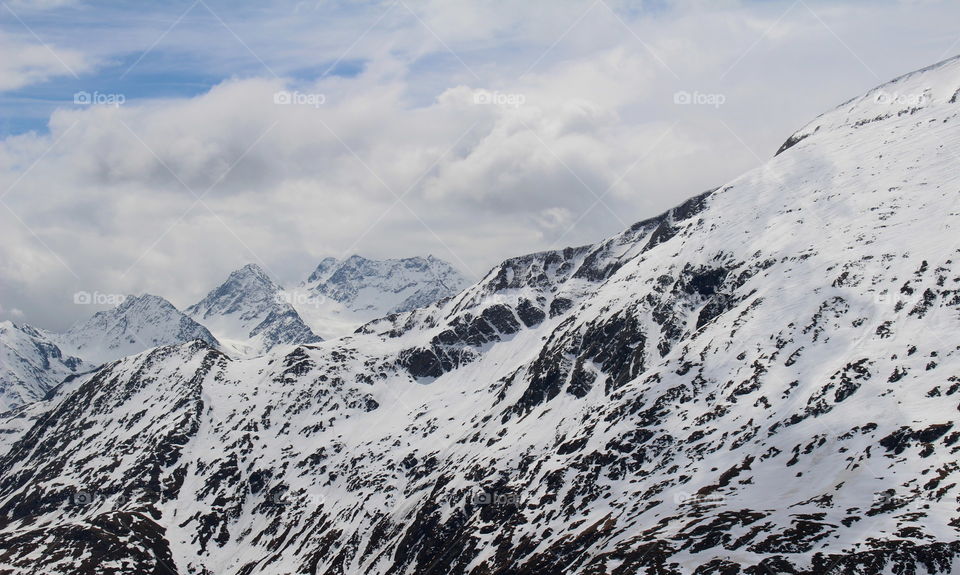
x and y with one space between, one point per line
31 364
143 300
249 313
322 270
140 322
252 270
906 95
381 287
342 295
757 380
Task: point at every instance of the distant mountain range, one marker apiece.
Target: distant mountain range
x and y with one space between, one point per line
382 287
248 312
341 295
139 323
762 380
248 315
31 364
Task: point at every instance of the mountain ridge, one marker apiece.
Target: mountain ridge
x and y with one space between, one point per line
249 313
32 364
760 380
138 323
343 280
340 296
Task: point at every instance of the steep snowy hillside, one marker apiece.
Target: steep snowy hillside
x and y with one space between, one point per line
137 324
764 379
339 296
250 313
30 365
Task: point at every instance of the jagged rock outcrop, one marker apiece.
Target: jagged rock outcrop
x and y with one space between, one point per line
763 379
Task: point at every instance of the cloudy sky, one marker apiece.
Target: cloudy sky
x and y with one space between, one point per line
156 146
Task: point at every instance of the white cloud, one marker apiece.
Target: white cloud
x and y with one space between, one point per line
27 62
113 195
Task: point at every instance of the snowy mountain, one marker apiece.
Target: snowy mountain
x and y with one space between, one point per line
137 324
30 365
341 295
250 313
761 380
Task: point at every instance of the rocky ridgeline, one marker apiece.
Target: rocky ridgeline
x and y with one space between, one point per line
764 379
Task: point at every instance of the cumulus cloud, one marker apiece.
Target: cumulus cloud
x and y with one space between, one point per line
27 62
473 131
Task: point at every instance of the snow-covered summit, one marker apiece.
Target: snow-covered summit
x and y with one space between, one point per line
251 313
383 287
931 88
341 295
763 379
30 365
139 323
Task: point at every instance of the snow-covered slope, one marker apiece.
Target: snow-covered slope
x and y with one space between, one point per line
383 287
761 380
139 323
341 295
250 313
30 365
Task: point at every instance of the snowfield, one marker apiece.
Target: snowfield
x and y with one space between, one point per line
762 380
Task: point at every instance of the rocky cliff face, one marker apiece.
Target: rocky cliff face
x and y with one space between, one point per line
763 379
31 365
383 287
250 313
342 295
